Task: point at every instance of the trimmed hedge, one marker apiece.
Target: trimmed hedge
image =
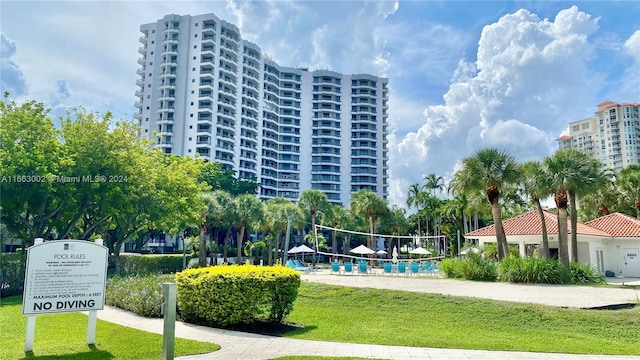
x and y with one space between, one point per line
148 264
12 269
224 296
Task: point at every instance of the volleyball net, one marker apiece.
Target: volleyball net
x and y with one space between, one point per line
407 247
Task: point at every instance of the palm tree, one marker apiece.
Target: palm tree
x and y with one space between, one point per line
338 218
225 215
575 173
434 182
205 218
488 170
629 185
369 206
277 212
415 197
535 185
249 211
395 224
314 201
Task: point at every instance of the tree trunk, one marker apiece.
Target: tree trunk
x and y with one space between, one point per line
574 227
240 242
544 251
503 249
226 244
202 254
561 205
315 238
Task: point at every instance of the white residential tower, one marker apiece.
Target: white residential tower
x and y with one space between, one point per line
204 90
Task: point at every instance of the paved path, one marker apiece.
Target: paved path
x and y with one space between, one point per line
245 346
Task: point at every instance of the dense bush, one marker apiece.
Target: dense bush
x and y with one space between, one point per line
532 270
148 264
230 295
473 267
12 269
585 274
139 294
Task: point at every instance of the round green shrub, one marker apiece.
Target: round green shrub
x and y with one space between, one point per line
585 274
236 294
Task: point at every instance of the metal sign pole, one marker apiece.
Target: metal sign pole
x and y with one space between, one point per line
169 330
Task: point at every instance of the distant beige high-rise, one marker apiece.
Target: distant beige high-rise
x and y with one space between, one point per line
612 135
204 90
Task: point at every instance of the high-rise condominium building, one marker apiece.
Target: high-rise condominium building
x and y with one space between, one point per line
204 90
612 135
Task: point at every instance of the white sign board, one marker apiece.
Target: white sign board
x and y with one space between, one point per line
63 276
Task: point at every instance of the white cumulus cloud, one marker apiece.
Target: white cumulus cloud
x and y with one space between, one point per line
518 95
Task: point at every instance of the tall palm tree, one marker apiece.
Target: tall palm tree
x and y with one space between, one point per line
314 201
224 215
535 185
576 173
488 170
369 206
205 218
249 211
415 197
434 182
629 185
338 219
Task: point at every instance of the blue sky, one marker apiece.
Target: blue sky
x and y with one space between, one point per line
463 75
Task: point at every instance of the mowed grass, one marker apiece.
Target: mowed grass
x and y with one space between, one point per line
63 336
387 317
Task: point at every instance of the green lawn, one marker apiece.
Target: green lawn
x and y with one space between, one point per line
386 317
63 336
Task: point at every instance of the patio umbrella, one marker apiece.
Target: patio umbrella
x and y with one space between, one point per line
301 249
420 251
293 250
362 250
394 255
381 252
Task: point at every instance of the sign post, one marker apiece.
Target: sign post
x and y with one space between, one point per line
64 276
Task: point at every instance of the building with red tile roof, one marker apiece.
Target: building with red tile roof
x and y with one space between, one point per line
609 243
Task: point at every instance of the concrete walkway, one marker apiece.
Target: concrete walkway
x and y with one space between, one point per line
244 346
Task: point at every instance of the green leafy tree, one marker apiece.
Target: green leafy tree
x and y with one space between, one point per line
30 158
488 170
205 219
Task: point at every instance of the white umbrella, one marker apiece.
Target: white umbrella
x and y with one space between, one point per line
381 252
472 249
394 255
420 251
301 249
362 250
293 250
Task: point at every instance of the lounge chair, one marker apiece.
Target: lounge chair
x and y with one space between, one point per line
387 267
297 265
362 267
402 268
335 267
415 268
348 268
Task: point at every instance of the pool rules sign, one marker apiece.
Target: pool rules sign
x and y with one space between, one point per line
64 276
